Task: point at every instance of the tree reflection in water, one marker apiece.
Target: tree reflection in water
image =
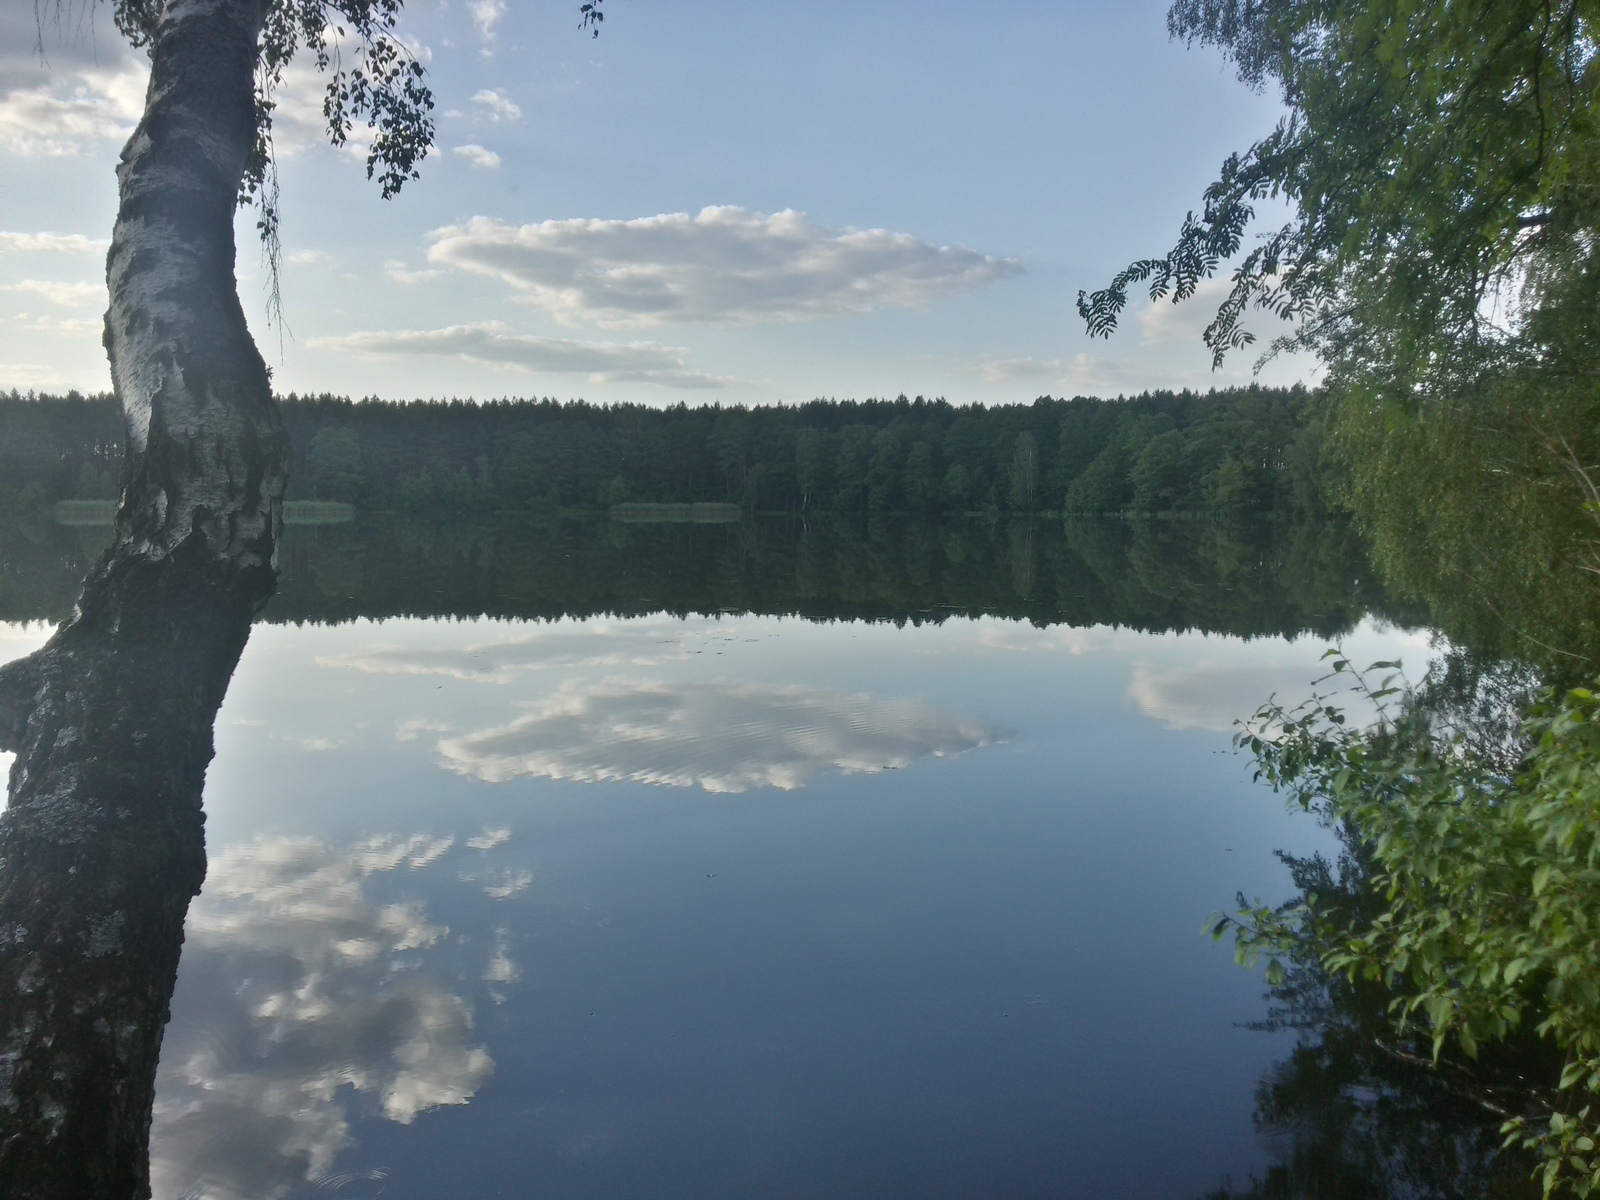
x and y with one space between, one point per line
1359 1111
103 846
1249 578
101 849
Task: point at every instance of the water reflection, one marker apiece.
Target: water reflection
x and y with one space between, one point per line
899 983
325 997
502 660
724 736
1248 579
101 848
1360 1112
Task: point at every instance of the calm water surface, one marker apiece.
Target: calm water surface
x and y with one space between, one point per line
728 905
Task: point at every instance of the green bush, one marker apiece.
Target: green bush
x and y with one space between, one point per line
1485 880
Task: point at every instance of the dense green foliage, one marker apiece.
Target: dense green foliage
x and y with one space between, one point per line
1438 155
1481 508
1440 257
1250 450
1479 913
1361 1110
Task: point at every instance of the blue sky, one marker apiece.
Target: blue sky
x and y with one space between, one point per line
712 201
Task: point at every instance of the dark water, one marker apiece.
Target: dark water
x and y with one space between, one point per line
583 860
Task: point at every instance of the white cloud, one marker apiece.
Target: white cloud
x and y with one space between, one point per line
726 266
40 375
398 272
501 969
477 155
1020 370
486 15
1092 375
488 342
410 731
307 258
299 124
1185 321
54 243
67 117
725 737
497 105
74 326
322 1002
68 295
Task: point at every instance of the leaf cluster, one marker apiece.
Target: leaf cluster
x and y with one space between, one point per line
1438 158
1485 881
373 78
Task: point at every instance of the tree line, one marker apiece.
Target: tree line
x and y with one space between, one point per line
1229 451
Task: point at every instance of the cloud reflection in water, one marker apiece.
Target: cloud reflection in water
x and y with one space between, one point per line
312 997
726 737
637 644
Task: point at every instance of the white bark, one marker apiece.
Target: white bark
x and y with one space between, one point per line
206 448
102 845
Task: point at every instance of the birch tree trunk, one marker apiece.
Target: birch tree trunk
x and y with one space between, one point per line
102 845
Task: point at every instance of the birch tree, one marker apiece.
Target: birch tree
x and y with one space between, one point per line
102 844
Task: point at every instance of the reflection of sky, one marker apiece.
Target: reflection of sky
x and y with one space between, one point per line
16 639
978 974
727 737
324 998
499 660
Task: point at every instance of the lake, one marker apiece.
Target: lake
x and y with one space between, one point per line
570 859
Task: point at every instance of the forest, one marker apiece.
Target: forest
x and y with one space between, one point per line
1230 451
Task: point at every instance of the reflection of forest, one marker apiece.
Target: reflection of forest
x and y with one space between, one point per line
1251 578
1360 1111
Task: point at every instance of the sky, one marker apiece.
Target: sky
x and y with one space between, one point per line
711 202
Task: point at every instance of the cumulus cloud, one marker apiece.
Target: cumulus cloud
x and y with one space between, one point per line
496 105
726 266
490 342
322 1006
477 156
725 737
88 108
53 243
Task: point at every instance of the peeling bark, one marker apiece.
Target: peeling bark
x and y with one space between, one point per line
102 845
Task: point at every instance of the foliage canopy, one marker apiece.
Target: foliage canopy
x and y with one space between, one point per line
1440 159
